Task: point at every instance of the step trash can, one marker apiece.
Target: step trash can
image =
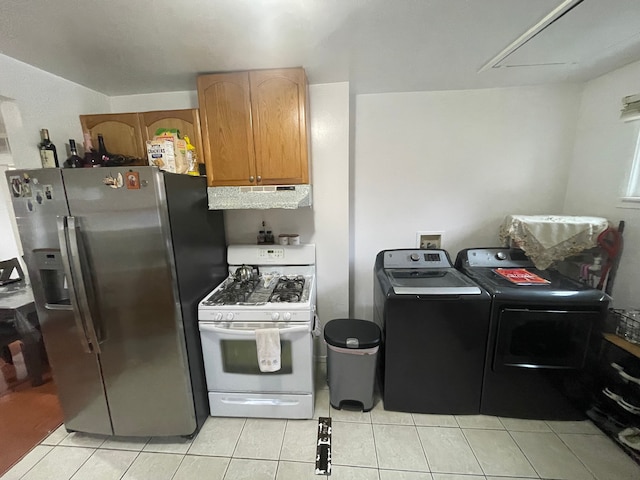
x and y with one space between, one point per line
352 354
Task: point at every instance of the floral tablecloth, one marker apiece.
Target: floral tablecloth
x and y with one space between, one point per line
550 238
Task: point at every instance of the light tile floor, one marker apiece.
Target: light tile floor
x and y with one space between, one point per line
377 445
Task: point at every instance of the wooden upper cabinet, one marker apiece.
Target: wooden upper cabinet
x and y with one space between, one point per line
121 131
254 127
225 113
278 108
186 121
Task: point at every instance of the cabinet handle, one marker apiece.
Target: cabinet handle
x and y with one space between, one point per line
259 178
251 178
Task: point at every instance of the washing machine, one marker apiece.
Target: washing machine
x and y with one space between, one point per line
542 327
434 323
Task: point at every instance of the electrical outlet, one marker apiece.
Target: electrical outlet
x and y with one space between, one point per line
429 240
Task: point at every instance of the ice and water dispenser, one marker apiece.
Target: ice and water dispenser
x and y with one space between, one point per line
52 276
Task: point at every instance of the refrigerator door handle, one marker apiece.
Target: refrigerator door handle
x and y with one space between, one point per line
79 284
58 306
64 254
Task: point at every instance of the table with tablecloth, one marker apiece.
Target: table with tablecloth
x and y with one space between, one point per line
550 238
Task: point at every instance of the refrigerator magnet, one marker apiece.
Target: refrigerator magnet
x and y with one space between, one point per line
133 180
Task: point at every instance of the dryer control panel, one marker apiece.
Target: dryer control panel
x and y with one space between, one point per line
494 257
416 258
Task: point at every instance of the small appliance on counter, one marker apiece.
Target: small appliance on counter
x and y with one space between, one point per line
540 330
434 322
257 331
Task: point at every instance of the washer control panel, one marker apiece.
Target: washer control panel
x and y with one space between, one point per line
416 258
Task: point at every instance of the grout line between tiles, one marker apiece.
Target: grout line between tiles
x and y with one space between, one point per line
375 447
480 463
131 464
32 466
524 453
424 452
179 465
473 452
80 466
284 434
244 424
593 474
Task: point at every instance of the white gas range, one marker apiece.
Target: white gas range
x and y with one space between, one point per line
270 293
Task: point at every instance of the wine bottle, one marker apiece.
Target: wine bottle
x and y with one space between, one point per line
102 150
74 160
48 153
91 158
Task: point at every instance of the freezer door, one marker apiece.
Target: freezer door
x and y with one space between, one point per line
39 201
128 262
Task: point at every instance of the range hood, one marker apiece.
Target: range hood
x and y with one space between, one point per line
268 196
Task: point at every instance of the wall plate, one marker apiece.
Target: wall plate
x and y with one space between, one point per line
428 240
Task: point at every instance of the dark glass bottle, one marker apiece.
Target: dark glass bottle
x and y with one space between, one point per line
48 153
74 160
269 238
102 151
91 157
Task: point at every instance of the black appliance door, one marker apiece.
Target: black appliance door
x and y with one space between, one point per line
546 339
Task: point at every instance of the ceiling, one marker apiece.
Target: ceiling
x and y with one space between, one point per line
124 47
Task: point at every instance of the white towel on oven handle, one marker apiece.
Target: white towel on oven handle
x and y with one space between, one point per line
268 348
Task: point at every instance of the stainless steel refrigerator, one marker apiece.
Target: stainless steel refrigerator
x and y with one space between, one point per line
118 259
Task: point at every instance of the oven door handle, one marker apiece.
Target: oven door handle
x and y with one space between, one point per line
207 327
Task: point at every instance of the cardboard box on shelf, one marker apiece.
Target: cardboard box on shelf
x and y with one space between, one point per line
168 153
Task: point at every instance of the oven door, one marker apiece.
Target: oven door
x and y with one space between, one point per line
231 358
543 339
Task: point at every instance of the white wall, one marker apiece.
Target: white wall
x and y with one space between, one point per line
32 99
602 158
457 162
44 101
154 101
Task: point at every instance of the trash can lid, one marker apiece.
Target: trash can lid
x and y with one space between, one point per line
352 333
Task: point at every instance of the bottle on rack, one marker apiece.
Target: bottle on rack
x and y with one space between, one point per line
269 238
103 155
91 158
74 160
192 160
48 153
262 237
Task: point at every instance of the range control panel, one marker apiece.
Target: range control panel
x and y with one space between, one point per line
416 258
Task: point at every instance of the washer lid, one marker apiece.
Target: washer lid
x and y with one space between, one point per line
431 281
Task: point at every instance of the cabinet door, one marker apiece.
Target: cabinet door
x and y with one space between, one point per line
225 113
278 107
121 131
186 121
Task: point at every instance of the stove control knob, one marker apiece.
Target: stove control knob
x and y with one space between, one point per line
287 316
229 316
415 257
217 316
501 256
275 316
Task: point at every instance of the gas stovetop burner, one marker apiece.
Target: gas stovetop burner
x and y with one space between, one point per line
260 290
290 283
284 296
288 289
234 292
